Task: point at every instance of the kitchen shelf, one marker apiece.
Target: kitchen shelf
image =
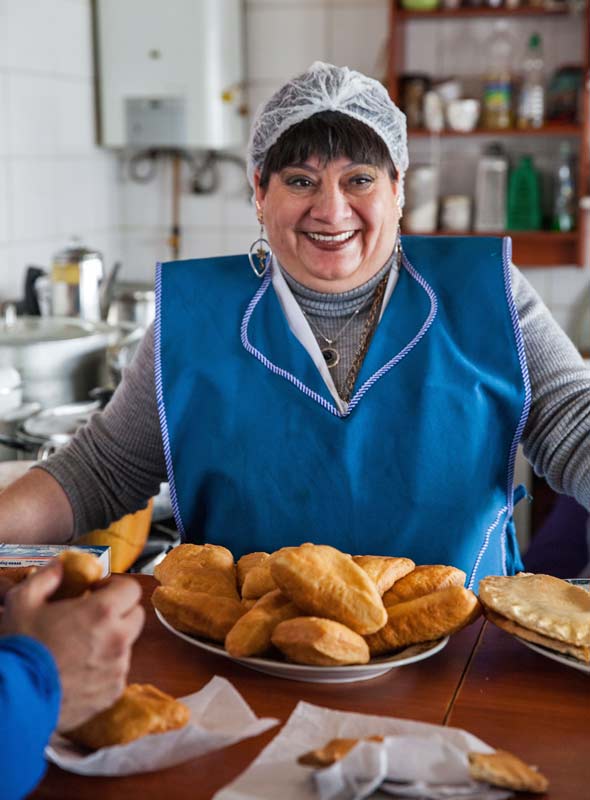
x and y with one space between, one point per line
456 13
535 248
552 129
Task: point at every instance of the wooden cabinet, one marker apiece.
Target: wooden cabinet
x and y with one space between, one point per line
531 248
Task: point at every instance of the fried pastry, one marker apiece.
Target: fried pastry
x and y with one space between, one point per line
384 570
332 751
202 555
319 642
140 710
542 603
211 580
506 770
326 583
258 581
81 570
246 563
423 580
251 634
580 652
429 617
197 612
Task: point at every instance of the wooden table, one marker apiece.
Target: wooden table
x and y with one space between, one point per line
483 681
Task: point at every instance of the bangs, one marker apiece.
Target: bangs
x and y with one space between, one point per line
327 135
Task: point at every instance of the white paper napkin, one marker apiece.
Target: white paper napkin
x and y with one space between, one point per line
219 717
420 753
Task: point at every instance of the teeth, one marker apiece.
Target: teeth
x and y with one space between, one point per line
338 237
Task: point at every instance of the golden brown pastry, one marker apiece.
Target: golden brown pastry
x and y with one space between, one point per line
424 579
251 634
211 580
426 618
384 570
332 751
542 603
16 574
81 570
580 652
505 769
197 612
326 583
258 581
202 555
140 710
319 642
245 564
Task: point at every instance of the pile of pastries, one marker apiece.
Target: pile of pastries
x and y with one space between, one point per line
541 609
313 604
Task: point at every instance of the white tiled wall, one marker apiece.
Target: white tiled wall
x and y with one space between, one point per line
55 182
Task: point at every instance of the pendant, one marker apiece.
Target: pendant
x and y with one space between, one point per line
331 356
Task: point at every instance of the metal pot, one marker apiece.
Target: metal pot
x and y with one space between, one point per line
59 358
133 303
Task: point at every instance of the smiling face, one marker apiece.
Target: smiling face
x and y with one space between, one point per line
331 225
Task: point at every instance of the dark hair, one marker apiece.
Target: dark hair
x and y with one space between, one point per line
327 135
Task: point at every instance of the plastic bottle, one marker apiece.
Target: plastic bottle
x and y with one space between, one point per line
564 201
497 85
491 187
531 98
524 197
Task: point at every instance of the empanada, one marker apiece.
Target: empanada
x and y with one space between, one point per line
423 580
16 574
140 710
384 570
429 617
320 642
326 583
504 769
542 603
251 634
197 612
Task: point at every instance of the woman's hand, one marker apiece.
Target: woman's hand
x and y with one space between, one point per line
90 637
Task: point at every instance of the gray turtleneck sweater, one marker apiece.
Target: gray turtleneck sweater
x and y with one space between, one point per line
117 460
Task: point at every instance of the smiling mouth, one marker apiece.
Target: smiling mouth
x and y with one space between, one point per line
330 238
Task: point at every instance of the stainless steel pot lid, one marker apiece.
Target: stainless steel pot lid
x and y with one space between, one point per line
62 420
32 330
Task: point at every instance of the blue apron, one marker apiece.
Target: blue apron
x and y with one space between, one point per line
421 465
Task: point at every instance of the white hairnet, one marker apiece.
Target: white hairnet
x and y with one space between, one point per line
324 87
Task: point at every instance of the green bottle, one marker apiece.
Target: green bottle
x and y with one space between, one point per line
524 197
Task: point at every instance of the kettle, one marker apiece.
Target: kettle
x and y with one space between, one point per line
78 284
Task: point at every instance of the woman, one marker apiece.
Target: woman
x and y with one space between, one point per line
354 388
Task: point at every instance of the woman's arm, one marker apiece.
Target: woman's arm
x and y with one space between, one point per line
35 509
556 438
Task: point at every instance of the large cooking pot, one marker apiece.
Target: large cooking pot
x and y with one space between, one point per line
132 303
59 358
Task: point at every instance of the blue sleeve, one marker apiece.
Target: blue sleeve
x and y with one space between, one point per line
30 697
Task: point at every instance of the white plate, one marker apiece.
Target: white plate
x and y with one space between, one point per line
301 672
563 658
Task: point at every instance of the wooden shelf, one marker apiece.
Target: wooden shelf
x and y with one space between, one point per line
535 248
551 129
456 13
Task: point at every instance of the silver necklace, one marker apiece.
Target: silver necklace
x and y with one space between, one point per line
330 353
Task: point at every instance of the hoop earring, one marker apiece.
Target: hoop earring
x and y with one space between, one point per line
260 252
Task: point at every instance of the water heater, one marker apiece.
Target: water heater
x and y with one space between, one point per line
170 73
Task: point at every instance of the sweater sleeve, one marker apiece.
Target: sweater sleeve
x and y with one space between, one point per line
556 439
116 462
30 698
